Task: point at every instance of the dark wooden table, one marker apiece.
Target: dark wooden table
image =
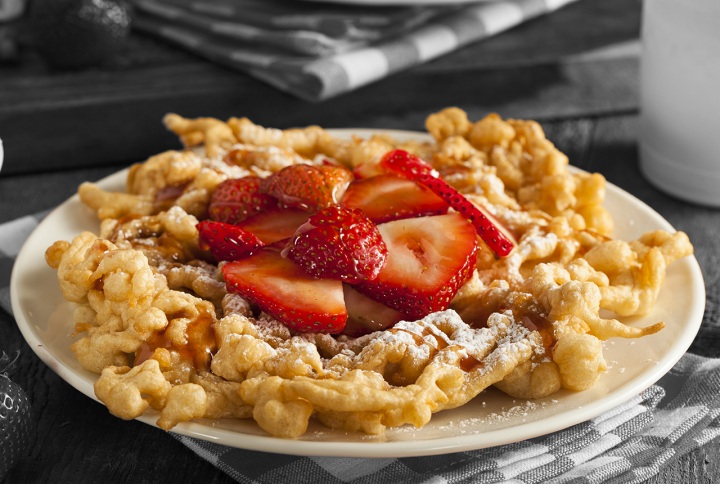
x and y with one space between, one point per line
575 71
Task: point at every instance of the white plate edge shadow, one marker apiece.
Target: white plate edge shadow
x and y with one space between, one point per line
82 381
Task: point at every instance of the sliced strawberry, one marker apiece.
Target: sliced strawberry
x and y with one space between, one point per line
494 234
308 187
226 242
429 259
399 162
389 197
339 243
366 315
286 292
275 224
236 199
406 164
491 231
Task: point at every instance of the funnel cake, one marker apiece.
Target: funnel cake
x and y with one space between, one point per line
157 319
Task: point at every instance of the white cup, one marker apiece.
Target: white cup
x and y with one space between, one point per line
680 98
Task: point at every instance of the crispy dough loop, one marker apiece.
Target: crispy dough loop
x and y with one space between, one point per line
114 205
129 392
301 140
636 270
574 306
215 135
183 403
448 123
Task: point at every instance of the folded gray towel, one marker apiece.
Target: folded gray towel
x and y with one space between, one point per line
316 51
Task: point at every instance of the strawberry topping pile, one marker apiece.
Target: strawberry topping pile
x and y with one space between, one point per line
324 249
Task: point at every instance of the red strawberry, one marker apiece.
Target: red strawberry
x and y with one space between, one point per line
308 187
389 197
366 315
287 293
429 259
339 243
399 162
275 224
406 164
227 242
497 237
236 199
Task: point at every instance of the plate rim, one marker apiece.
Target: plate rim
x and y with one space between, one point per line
401 448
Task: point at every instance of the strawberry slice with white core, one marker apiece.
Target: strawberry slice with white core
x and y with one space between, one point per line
338 243
366 315
389 197
429 259
226 242
490 230
275 224
287 293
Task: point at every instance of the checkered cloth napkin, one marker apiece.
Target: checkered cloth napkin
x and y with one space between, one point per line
628 444
316 51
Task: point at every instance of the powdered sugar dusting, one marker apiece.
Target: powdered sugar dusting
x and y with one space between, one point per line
519 411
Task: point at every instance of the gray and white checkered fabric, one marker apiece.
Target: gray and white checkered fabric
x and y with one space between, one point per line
628 444
315 51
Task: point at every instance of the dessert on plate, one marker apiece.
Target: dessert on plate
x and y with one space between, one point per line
365 282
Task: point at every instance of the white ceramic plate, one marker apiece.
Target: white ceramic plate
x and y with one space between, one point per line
491 419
